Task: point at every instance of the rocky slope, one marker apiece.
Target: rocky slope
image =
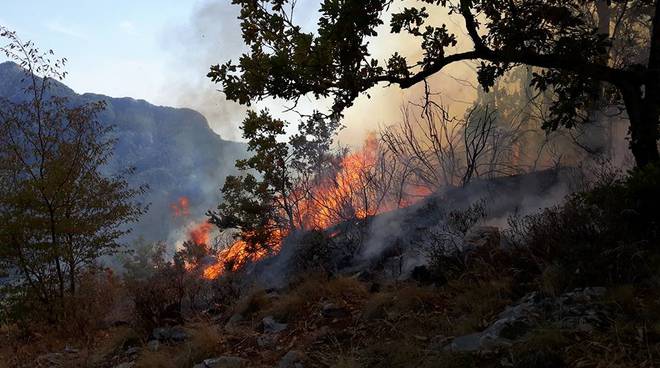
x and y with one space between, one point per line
173 150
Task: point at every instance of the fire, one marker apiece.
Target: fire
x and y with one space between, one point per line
181 208
200 234
232 259
344 194
341 196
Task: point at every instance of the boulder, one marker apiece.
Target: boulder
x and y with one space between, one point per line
269 325
223 362
576 310
331 310
175 334
153 345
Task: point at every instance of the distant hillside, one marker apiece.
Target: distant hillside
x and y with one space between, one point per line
173 149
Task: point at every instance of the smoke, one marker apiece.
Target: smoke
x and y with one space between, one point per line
455 86
210 36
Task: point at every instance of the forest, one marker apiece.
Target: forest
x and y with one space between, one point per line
506 216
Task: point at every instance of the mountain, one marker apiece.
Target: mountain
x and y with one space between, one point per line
174 151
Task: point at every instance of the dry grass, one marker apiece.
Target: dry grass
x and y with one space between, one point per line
473 305
203 343
112 341
408 298
155 359
251 304
314 290
346 362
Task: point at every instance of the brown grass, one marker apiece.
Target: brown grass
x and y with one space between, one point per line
203 343
313 291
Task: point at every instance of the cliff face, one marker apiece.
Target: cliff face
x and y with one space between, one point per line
174 151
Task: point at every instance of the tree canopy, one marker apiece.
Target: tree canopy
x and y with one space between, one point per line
59 210
571 42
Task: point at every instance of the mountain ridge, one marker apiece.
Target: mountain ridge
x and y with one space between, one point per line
174 152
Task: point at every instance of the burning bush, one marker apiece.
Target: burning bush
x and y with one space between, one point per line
303 186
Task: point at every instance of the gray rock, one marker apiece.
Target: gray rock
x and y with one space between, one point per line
176 334
330 310
153 345
292 359
223 362
70 350
576 310
477 342
266 341
133 351
271 326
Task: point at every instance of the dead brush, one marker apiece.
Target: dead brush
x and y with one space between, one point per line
204 342
472 305
409 298
343 291
627 344
83 313
253 303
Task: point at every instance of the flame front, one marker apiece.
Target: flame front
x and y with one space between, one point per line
345 194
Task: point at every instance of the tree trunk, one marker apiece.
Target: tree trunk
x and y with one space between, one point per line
643 112
644 132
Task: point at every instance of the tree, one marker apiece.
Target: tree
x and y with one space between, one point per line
560 37
264 200
59 211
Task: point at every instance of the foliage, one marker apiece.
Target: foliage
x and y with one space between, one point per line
313 253
59 210
262 203
605 235
444 246
565 39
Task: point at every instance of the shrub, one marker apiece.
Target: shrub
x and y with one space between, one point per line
158 299
313 253
451 258
605 235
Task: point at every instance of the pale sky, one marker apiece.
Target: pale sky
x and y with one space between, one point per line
156 50
161 50
113 47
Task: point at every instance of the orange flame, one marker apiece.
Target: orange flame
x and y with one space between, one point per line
341 196
338 197
181 208
200 234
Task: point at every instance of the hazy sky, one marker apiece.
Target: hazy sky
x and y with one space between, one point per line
157 50
161 50
114 47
